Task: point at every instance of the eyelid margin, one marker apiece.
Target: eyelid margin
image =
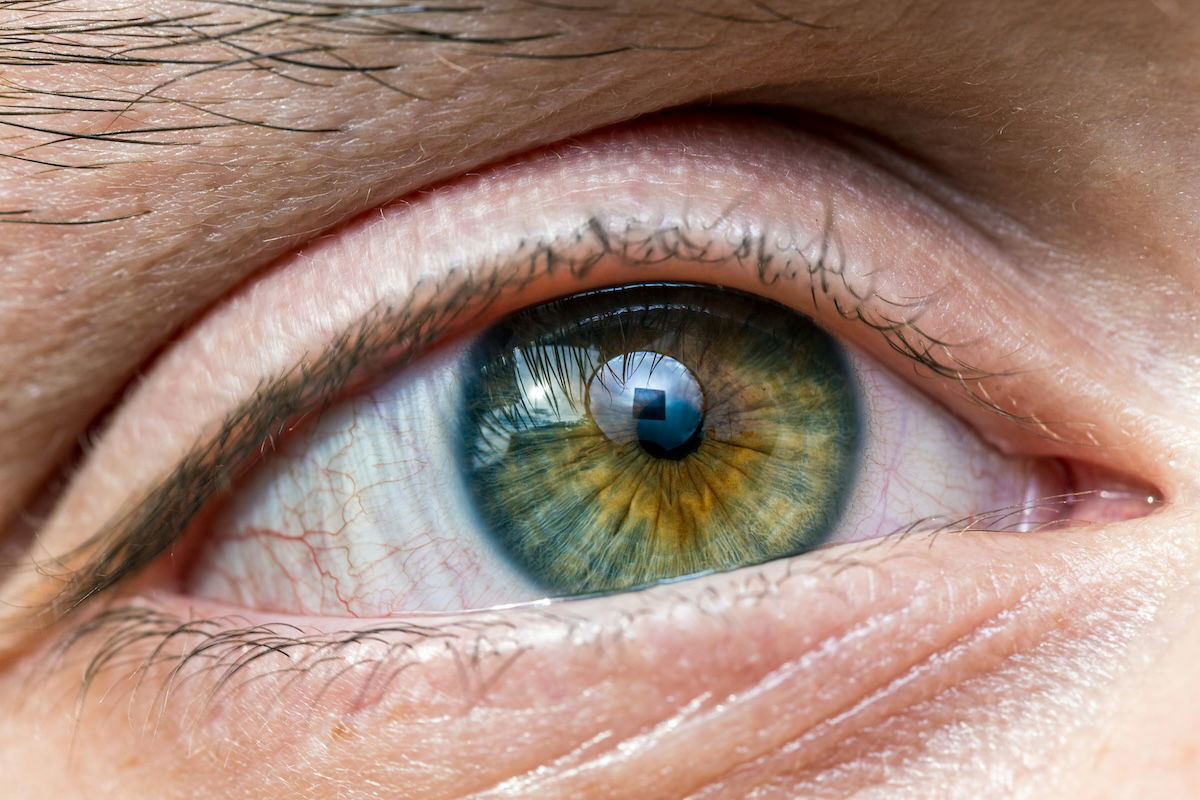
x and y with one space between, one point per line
598 249
907 620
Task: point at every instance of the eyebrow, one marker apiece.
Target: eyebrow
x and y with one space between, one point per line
226 36
292 43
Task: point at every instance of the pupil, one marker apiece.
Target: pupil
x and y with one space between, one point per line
651 399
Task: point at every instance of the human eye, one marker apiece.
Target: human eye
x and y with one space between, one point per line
608 440
348 468
309 434
342 517
985 211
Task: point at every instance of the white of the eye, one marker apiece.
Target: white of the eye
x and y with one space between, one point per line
364 514
367 514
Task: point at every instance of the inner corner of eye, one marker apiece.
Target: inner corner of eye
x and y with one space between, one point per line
603 441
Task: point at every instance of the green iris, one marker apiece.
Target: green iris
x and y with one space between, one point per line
621 437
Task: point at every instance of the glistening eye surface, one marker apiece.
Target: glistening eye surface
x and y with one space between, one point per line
606 440
624 436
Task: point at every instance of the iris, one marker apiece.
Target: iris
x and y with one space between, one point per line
622 437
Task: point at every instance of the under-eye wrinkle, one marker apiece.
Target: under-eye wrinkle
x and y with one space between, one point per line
626 436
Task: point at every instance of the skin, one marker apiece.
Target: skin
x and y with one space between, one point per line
1061 140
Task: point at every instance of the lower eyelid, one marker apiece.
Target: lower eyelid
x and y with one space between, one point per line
922 632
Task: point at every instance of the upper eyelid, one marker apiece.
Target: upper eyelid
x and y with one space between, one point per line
154 524
388 335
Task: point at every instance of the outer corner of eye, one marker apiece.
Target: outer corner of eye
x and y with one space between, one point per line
604 441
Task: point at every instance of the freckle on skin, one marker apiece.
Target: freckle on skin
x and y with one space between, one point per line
341 732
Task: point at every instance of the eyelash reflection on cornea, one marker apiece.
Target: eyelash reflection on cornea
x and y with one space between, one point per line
387 339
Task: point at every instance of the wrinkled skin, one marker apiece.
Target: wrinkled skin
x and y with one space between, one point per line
1049 665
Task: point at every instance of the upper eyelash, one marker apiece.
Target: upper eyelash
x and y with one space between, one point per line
388 339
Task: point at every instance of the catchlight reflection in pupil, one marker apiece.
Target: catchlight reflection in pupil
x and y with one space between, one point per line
650 399
621 437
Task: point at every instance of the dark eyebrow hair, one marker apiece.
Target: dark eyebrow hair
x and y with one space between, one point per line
288 45
386 339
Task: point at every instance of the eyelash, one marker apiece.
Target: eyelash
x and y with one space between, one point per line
370 349
223 648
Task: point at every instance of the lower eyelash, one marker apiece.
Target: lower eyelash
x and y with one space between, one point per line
131 645
206 662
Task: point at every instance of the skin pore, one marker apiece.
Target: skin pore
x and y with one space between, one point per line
181 179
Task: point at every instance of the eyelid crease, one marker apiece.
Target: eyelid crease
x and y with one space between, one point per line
388 339
619 221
